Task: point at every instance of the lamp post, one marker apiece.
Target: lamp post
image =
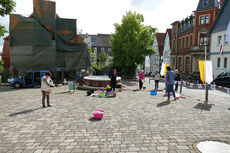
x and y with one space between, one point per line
204 42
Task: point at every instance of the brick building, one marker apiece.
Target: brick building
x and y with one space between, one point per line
187 46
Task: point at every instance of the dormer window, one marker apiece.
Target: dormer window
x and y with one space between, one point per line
205 2
204 19
201 19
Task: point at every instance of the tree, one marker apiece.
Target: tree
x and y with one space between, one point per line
102 57
6 8
131 42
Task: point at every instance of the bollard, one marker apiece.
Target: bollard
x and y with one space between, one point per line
181 85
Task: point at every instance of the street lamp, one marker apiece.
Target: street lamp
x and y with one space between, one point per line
204 42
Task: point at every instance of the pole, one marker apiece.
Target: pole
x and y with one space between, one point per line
206 84
181 85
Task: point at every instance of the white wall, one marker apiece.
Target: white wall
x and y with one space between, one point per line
167 50
215 53
154 59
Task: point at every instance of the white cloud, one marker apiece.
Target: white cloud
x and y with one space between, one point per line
148 5
98 16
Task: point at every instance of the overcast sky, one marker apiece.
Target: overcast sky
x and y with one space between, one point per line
98 16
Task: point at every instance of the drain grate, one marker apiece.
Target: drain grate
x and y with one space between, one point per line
213 147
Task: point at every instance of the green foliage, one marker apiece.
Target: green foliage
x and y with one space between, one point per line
2 30
6 8
131 42
100 68
102 57
1 65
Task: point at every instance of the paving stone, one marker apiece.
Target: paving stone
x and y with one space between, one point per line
133 121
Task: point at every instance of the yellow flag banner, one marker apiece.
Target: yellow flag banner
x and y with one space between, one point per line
166 65
202 70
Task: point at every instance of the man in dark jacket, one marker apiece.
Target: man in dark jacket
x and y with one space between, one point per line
113 78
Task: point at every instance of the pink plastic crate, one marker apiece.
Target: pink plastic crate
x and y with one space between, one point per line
98 114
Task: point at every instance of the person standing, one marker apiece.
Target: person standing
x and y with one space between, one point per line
177 79
46 83
141 79
170 76
113 78
157 78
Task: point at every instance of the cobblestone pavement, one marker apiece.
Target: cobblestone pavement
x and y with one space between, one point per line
133 121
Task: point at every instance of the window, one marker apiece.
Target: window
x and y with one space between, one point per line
187 46
102 49
174 43
201 19
109 50
180 64
37 77
225 39
218 63
219 40
187 64
205 2
182 43
179 43
204 19
207 19
29 78
225 63
190 40
202 39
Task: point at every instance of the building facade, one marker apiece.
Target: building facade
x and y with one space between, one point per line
220 49
188 44
155 59
167 47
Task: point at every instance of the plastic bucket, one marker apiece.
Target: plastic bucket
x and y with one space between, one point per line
102 95
98 114
153 92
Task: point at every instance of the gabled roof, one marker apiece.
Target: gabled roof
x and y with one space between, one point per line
207 4
160 40
103 40
169 31
222 19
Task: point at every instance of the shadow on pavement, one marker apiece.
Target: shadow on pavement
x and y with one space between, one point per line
202 106
92 119
129 82
25 112
9 88
64 92
163 104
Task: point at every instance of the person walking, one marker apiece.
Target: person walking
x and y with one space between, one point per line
170 76
157 78
141 78
46 83
113 78
177 79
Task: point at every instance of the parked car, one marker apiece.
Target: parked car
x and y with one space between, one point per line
29 79
148 73
223 79
119 74
195 77
10 79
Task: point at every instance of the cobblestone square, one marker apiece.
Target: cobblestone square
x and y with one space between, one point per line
133 121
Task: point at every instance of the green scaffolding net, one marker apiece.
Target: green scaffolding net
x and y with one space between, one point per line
43 41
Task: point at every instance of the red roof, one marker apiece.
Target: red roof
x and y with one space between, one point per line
160 40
